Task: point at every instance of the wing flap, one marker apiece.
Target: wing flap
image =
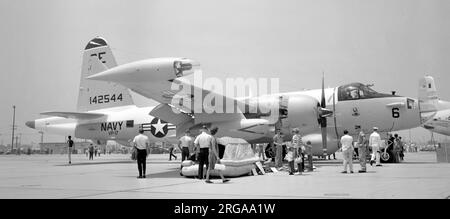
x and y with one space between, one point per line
170 114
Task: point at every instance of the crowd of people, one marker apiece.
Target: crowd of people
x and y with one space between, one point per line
294 152
206 150
363 148
203 149
92 151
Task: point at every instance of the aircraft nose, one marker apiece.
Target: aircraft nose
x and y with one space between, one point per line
30 124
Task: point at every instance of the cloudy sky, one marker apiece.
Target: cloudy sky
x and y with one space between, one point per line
389 43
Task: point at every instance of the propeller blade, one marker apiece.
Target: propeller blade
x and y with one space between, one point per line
323 112
322 99
324 141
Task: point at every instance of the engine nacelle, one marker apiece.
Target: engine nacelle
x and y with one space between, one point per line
317 146
298 111
264 107
302 113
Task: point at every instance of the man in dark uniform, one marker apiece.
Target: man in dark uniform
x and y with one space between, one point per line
70 142
171 154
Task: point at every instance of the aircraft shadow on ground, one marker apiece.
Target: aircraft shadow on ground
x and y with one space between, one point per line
161 162
175 173
418 162
169 174
113 162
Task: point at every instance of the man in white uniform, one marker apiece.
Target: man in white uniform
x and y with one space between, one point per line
140 142
375 143
347 151
203 141
186 145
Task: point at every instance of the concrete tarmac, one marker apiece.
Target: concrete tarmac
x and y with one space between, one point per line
114 176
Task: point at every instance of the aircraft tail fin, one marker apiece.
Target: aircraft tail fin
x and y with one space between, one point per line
428 99
94 95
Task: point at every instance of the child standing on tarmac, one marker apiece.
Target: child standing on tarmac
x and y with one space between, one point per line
297 143
290 158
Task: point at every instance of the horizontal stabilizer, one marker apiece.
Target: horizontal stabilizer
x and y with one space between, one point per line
74 115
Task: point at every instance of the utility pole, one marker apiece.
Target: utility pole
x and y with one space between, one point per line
14 126
17 146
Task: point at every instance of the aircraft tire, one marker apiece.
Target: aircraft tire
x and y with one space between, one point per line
386 157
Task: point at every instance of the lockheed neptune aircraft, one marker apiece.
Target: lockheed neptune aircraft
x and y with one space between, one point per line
321 115
440 123
105 111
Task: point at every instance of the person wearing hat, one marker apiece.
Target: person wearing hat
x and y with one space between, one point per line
375 143
203 141
185 144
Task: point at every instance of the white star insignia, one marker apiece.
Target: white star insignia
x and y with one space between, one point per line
159 127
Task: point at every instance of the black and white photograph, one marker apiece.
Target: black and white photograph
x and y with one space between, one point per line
247 100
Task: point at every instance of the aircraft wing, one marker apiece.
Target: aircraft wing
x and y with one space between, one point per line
161 80
206 106
74 115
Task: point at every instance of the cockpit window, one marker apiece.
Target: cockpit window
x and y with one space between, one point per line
357 91
352 92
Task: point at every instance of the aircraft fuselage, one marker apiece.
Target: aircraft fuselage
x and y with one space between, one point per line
120 124
385 111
